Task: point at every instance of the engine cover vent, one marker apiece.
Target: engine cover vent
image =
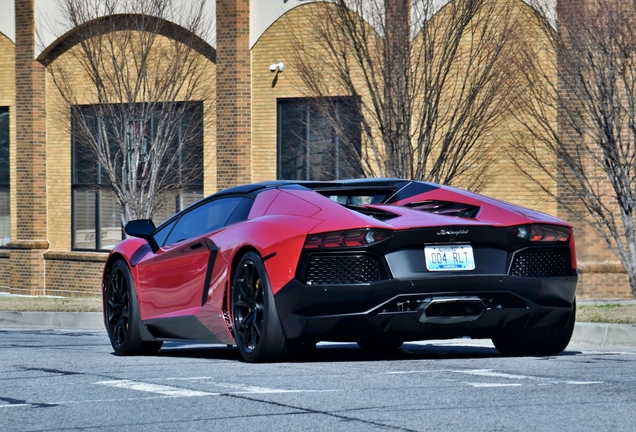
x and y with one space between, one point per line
446 208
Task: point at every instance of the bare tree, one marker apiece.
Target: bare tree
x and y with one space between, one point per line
134 83
433 84
589 150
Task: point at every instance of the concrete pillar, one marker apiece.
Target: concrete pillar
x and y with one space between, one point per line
28 185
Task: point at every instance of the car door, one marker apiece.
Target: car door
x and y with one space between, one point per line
173 280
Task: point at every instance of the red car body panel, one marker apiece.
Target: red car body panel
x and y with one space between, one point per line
170 280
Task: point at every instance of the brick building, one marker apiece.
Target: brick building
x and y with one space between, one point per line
55 231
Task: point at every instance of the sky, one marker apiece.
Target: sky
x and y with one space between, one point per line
263 14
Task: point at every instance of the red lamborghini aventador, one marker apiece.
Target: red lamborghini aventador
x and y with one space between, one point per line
275 267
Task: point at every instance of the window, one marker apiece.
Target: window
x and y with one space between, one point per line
203 219
5 214
96 214
319 139
211 216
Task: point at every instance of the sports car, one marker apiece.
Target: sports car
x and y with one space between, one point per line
273 268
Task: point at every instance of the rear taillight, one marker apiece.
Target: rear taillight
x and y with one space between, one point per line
573 252
346 239
541 233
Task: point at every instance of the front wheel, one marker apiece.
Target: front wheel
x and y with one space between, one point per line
544 341
257 329
121 311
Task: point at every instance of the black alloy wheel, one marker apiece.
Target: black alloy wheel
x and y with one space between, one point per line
257 330
121 310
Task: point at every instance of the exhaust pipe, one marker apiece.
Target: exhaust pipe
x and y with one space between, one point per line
452 310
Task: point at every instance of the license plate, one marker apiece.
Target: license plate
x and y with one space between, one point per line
447 258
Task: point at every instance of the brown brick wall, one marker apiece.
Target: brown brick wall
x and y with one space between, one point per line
504 180
5 271
7 77
245 124
234 90
71 273
59 168
602 276
74 274
273 47
7 99
278 43
603 280
27 268
291 33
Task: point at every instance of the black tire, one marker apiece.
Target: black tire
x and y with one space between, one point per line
537 342
121 311
380 345
257 329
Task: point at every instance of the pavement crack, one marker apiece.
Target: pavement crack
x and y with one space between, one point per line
320 412
19 402
51 371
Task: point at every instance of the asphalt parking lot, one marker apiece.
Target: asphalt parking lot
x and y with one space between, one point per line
64 379
586 333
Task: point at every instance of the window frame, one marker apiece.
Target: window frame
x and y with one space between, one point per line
244 206
307 106
5 186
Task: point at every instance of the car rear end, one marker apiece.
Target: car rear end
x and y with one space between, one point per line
421 275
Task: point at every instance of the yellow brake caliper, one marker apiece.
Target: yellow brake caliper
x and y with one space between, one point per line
258 286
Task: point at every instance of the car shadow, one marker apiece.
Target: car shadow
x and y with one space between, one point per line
345 352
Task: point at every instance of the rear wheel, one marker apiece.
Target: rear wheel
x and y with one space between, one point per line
544 341
257 329
121 311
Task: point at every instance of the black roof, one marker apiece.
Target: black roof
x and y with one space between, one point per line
396 189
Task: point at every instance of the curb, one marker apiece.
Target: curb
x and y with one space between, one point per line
584 333
605 334
69 320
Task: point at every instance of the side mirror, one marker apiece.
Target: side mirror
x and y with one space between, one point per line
142 228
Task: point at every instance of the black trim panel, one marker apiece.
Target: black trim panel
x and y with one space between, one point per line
179 328
347 312
208 274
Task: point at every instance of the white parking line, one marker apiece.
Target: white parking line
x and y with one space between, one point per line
493 374
156 388
490 373
15 405
233 388
473 384
247 389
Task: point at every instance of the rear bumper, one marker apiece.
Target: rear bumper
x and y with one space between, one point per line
399 308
